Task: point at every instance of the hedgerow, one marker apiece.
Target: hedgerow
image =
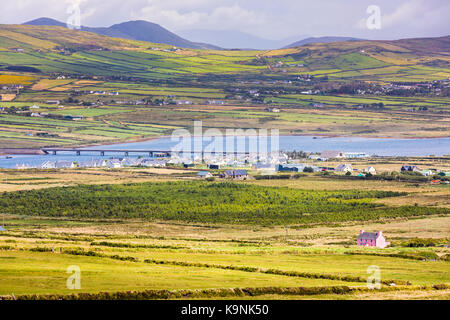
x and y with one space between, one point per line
221 292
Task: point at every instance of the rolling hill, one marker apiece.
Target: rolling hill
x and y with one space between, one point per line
56 49
320 40
133 30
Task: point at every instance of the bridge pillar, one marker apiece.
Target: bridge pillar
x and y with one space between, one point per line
126 154
78 153
54 153
102 153
150 154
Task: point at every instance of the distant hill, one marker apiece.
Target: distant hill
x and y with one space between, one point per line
133 30
231 39
320 40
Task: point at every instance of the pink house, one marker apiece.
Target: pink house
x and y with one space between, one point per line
372 239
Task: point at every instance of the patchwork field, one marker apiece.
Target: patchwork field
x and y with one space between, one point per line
165 256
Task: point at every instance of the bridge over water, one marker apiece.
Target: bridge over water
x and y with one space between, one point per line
127 152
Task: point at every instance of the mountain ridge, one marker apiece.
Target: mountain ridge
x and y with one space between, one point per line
133 30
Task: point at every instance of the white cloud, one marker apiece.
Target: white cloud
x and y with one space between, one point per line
266 18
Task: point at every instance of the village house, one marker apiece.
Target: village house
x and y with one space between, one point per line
273 110
370 170
331 154
426 173
235 174
73 118
62 164
410 168
52 102
48 165
372 239
181 102
204 175
346 167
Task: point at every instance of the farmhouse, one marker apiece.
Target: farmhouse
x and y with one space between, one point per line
330 154
344 168
52 102
372 239
235 174
204 175
73 118
48 165
370 170
426 173
180 102
410 168
273 110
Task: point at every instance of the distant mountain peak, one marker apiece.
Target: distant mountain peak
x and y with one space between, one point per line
134 30
44 21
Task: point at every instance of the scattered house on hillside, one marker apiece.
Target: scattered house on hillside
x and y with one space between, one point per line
346 167
273 110
180 102
410 168
114 93
370 170
235 174
331 154
34 107
73 118
52 102
99 93
36 115
204 175
213 166
215 102
372 239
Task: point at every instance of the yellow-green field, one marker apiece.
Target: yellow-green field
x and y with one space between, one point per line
121 255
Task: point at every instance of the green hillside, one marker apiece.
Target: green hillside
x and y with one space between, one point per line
81 69
57 49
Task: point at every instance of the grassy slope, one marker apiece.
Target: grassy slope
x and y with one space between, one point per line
180 71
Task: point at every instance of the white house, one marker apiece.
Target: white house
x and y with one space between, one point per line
370 170
332 154
48 165
344 168
204 175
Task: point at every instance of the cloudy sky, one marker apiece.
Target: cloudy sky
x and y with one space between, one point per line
272 19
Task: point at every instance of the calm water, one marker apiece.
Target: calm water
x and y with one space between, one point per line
380 147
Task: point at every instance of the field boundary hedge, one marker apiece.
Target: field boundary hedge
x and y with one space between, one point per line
222 292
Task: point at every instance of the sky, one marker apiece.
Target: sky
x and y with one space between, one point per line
270 19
